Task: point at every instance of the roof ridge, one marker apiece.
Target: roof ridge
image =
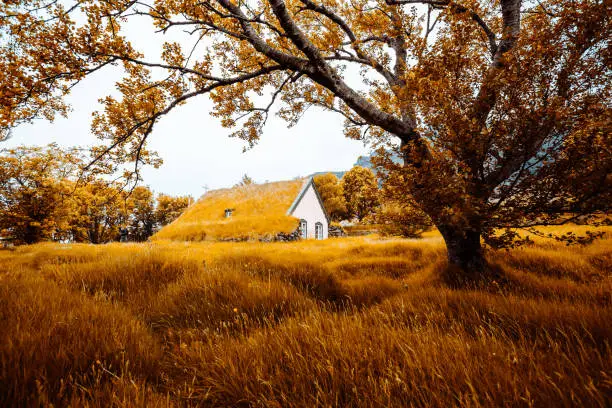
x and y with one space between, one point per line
297 200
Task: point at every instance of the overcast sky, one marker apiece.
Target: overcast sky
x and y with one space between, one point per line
196 150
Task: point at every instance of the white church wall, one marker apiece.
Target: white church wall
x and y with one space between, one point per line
309 209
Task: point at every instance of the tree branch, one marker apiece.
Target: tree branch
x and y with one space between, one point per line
149 121
321 9
456 8
327 77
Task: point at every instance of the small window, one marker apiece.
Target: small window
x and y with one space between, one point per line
304 229
318 230
228 212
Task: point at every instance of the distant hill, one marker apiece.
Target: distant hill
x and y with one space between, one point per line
363 161
338 174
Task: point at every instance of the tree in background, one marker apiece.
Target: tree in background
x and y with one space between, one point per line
35 188
142 217
99 210
169 208
361 194
330 189
398 215
501 109
45 196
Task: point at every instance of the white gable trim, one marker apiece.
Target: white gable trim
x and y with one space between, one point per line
301 194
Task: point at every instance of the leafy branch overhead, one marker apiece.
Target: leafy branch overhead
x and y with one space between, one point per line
299 48
501 108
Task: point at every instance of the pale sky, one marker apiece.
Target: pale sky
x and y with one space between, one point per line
196 150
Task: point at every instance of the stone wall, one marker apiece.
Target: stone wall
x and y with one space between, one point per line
292 236
336 231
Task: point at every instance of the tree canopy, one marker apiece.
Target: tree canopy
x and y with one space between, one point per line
501 109
361 194
169 208
330 189
35 186
44 197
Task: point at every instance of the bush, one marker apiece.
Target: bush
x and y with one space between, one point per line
405 221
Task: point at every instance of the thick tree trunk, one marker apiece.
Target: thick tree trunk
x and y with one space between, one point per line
32 234
464 250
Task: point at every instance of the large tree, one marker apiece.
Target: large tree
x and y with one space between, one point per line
330 189
361 194
35 192
501 108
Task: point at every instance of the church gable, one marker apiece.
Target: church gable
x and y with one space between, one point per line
308 207
264 212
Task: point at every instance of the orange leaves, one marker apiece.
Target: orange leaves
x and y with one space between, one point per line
44 53
169 208
332 194
489 99
360 189
34 187
173 54
45 196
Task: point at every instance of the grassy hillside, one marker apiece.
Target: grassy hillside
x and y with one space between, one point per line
259 212
346 322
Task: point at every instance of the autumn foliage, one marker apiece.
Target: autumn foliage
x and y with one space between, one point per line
35 187
98 210
169 208
500 111
46 196
332 194
360 189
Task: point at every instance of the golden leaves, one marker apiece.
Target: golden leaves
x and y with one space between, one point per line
360 189
478 126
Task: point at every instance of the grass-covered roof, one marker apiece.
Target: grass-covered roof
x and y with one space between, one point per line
259 211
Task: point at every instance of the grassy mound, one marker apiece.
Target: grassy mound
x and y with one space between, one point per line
259 211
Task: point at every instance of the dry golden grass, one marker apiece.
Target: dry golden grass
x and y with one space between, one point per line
259 212
345 322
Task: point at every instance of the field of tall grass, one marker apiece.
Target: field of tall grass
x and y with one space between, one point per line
345 322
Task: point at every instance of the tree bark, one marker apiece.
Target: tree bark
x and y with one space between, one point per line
464 249
32 234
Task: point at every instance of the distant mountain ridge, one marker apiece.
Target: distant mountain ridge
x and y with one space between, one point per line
363 161
338 174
